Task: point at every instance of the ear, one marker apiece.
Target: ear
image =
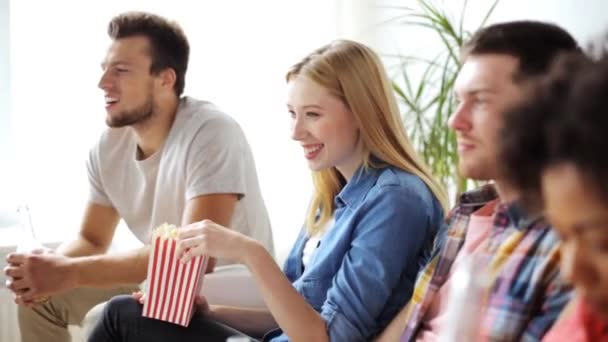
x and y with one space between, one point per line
167 78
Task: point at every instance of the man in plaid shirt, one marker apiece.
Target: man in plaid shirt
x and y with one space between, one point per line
520 251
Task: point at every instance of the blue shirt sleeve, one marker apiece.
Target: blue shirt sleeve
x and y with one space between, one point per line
395 226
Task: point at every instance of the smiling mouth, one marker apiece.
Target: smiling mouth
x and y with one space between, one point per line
465 147
110 101
310 152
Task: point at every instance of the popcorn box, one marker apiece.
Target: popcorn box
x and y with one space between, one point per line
172 286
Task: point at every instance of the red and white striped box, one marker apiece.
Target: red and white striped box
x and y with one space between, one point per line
172 286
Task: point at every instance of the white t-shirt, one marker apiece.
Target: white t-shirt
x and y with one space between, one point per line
314 242
205 153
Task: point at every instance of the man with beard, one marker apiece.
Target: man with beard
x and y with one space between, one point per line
515 253
165 158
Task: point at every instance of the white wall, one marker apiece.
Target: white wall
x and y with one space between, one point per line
5 119
240 52
583 19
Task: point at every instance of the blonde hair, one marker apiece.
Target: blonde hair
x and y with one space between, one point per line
354 73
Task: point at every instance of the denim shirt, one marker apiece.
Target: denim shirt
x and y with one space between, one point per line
365 268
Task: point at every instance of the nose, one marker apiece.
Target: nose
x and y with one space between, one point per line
298 130
575 266
460 120
567 261
104 81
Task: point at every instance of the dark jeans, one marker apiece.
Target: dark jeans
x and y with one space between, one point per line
122 321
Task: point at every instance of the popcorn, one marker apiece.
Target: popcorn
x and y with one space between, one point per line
172 286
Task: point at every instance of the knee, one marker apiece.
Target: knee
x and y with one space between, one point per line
121 308
118 313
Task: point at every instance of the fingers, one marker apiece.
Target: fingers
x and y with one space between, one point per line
200 300
189 231
29 295
193 239
16 259
139 296
18 286
193 229
13 272
201 304
190 242
19 300
189 248
187 256
189 237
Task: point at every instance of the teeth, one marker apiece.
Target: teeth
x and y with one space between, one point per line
309 150
111 99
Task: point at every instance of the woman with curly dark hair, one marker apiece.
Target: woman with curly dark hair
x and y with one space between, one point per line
560 138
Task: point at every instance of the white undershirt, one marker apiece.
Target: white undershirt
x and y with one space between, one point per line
314 242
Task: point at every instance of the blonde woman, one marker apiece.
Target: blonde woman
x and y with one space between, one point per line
372 223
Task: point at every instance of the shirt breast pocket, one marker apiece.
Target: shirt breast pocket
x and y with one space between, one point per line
315 291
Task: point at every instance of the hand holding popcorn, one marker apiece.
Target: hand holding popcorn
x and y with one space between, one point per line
213 240
172 285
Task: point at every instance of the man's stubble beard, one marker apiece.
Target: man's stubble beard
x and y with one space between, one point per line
134 117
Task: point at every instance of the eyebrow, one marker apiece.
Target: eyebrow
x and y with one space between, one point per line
473 92
106 64
309 106
476 91
312 106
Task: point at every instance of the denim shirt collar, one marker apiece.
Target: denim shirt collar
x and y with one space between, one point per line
359 185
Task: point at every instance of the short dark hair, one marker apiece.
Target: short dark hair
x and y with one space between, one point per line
535 44
565 122
168 43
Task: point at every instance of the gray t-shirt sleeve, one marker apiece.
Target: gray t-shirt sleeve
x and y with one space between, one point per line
97 193
217 159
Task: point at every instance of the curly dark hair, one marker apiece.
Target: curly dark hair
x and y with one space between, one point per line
564 121
169 45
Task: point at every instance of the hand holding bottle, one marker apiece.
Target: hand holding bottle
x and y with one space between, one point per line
15 271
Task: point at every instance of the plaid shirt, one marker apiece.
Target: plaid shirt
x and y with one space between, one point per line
527 293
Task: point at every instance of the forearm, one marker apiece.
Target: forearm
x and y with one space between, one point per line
253 322
395 329
111 270
216 207
80 247
290 310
